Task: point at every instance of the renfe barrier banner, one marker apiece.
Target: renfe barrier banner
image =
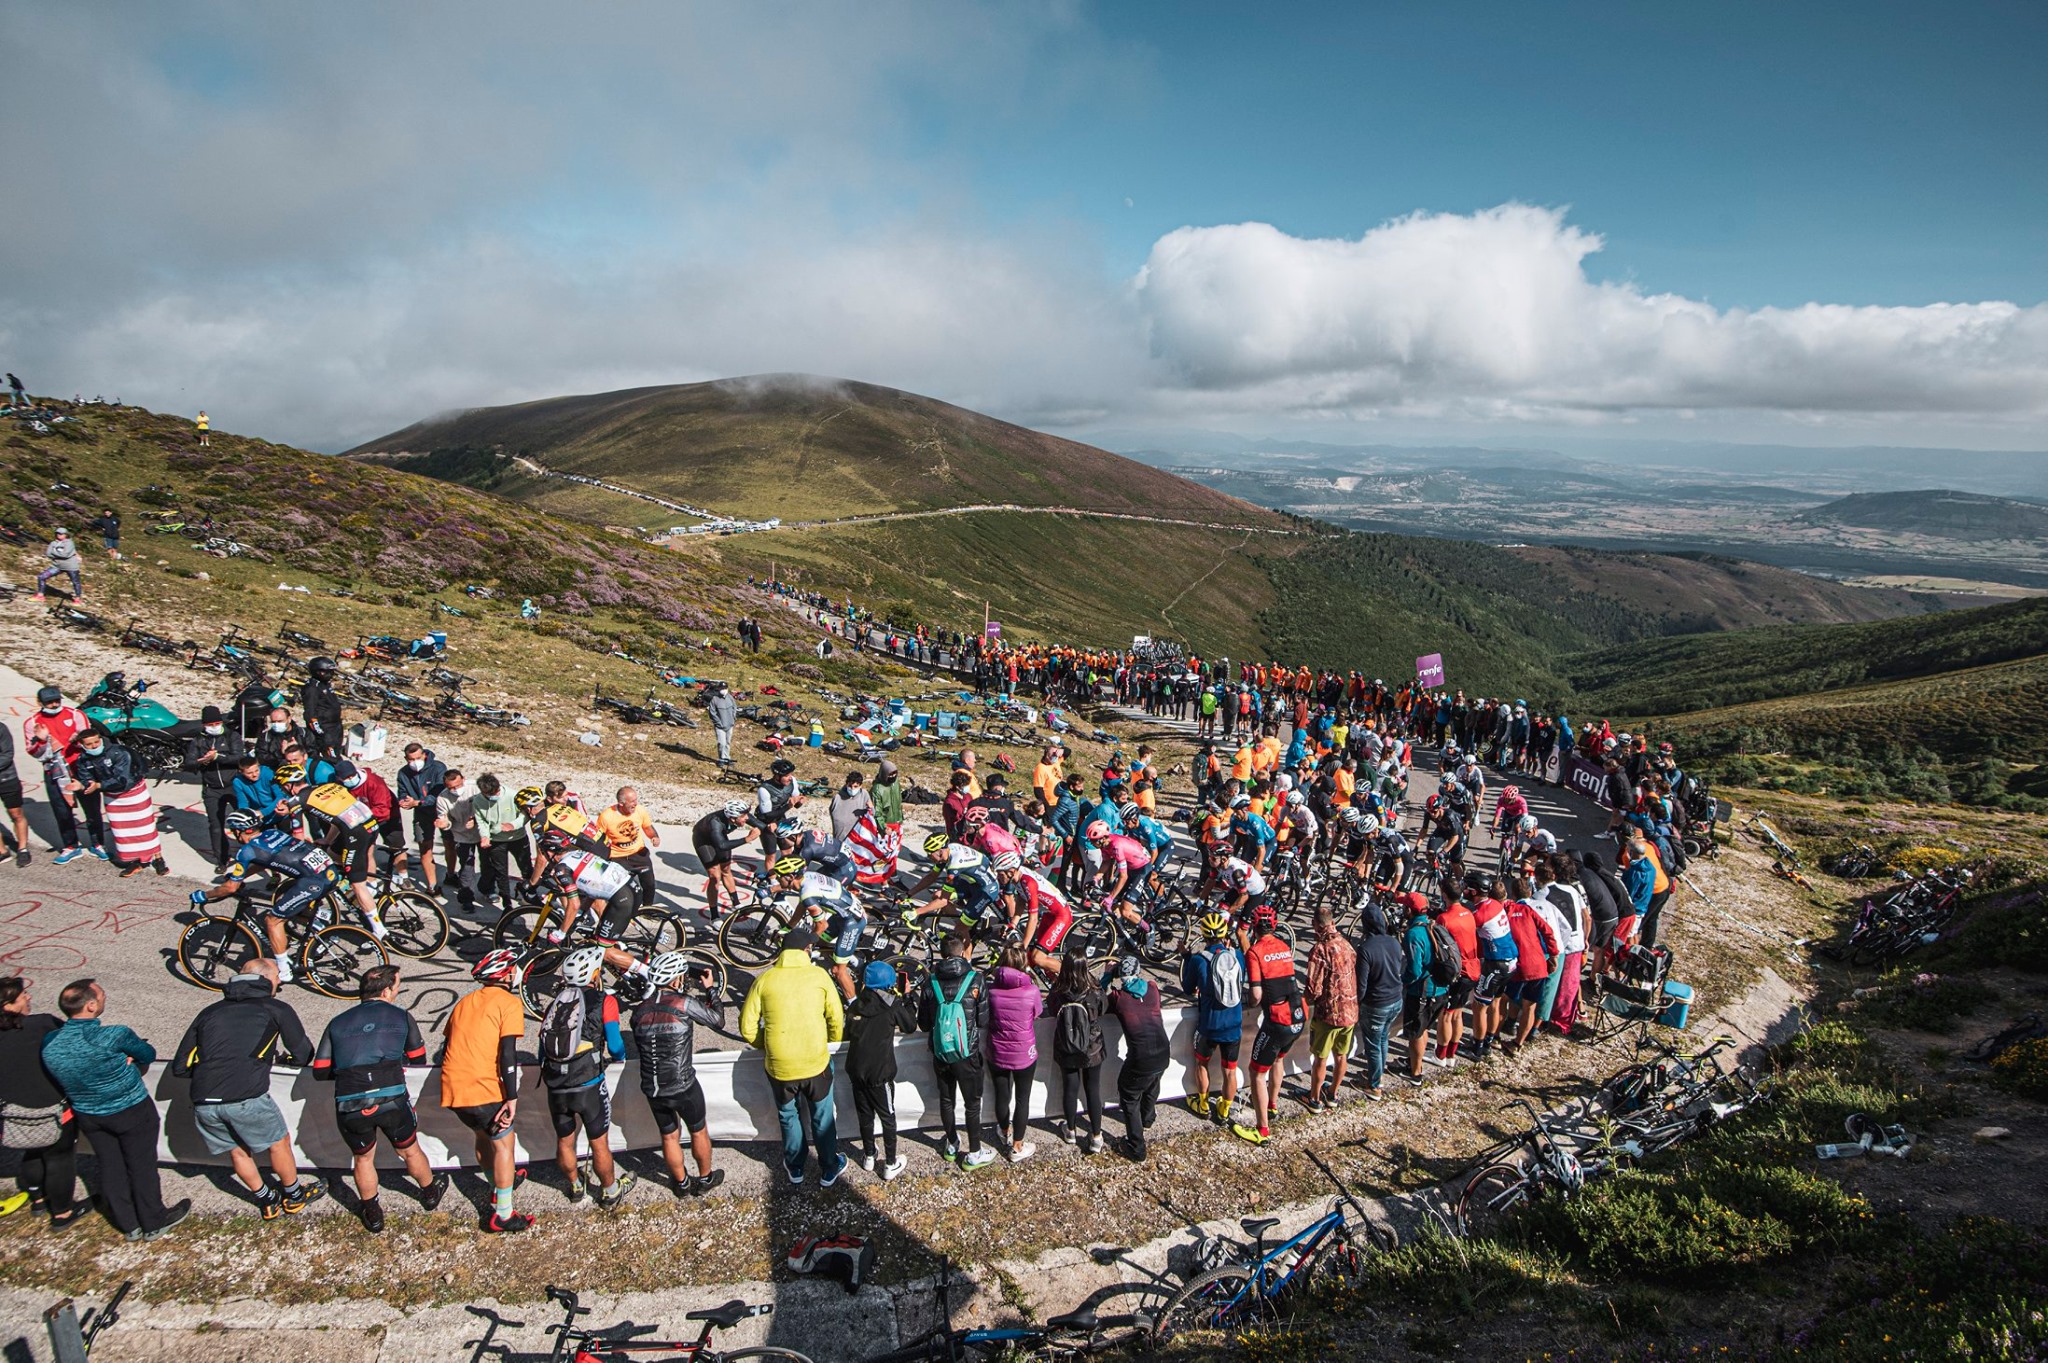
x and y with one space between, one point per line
1429 670
1587 778
737 1101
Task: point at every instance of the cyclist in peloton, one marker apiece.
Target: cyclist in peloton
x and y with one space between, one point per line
1253 836
332 818
310 870
835 913
598 898
826 856
964 877
1244 888
1046 913
1124 864
1153 836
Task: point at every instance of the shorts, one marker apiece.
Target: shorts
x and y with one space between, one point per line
1419 1013
424 833
1325 1040
252 1124
589 1105
1225 1046
295 898
846 930
1494 979
711 858
1054 922
675 1111
1272 1042
1529 991
482 1118
1459 994
355 854
392 834
10 793
393 1116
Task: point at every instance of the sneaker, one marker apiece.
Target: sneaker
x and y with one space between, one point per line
1413 1079
1198 1103
1249 1133
1064 1132
1311 1102
134 868
309 1191
1374 1095
796 1180
1094 1145
69 855
162 867
614 1197
373 1216
431 1195
510 1224
177 1211
1022 1151
949 1152
978 1159
272 1205
867 1163
576 1192
101 853
704 1183
22 857
826 1180
893 1170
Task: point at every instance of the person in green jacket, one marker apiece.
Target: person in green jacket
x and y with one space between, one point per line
886 795
794 1014
501 833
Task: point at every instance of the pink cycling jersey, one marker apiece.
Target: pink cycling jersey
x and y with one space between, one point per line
1128 853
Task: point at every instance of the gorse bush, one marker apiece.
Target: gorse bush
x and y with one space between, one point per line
2024 1069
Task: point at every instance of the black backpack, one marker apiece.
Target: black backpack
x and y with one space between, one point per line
1446 962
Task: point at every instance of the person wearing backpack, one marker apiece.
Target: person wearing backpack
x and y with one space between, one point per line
873 1019
579 1037
1077 1005
1422 998
1135 1000
1564 909
1014 1005
1215 977
1536 957
1333 1011
794 1014
1454 921
953 1008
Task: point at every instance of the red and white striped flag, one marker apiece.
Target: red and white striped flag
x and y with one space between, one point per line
873 848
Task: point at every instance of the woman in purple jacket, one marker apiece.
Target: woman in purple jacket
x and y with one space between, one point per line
1014 1005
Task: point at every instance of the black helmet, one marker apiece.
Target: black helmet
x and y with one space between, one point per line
781 766
322 666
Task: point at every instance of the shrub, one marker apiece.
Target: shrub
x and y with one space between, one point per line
1916 861
2024 1070
1929 1003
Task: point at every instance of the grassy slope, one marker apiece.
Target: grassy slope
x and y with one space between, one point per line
810 449
1701 671
1695 593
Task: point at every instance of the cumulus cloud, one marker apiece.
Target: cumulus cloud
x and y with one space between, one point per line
1494 312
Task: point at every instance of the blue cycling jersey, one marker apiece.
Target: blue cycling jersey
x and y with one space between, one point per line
276 850
1153 834
1260 831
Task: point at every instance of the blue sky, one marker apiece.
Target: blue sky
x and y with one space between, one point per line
1810 224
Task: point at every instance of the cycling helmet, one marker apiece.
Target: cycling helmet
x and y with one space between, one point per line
1008 861
669 967
506 966
582 966
529 796
1098 832
976 816
1265 916
781 766
556 840
1354 819
735 810
290 774
1527 823
790 866
1508 793
1295 799
1370 825
936 844
1128 811
243 821
1215 926
1240 802
322 666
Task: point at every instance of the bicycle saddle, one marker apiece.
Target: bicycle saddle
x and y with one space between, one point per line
1083 1319
724 1317
1258 1225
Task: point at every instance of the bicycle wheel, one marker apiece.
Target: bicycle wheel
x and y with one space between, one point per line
760 1351
213 949
649 933
752 936
537 988
1227 1298
333 959
702 959
1091 935
1492 1197
415 925
1170 929
525 925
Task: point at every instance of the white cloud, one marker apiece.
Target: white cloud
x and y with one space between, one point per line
1494 314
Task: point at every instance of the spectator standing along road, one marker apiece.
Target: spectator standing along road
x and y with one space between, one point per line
631 835
35 1121
100 1069
65 561
1135 1001
873 1019
10 799
364 1053
794 1014
216 755
725 713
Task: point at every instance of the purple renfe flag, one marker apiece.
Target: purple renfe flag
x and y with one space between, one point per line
1429 670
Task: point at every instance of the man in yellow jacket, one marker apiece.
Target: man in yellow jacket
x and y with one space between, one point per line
793 1014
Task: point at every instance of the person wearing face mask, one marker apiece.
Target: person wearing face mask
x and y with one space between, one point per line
258 790
322 706
53 733
278 733
107 771
420 782
455 817
216 755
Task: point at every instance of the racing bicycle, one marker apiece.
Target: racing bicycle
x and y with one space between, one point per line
330 957
574 1344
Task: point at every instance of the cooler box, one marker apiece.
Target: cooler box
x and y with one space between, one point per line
1677 1005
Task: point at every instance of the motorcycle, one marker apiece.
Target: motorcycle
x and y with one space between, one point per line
145 727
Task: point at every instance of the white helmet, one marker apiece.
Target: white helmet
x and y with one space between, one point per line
1008 861
1527 823
582 966
1295 799
669 967
735 810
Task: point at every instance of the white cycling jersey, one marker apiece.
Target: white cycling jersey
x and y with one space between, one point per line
592 875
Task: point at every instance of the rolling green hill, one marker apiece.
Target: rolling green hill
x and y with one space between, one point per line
1935 511
1702 671
803 448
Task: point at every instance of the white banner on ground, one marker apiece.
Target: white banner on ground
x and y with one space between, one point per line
737 1101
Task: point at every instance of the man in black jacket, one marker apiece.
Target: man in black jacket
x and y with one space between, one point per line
278 734
665 1039
420 781
227 1053
873 1019
955 981
323 707
216 755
